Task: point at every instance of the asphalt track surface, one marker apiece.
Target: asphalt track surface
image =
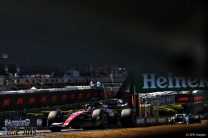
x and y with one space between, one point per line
144 130
63 131
72 131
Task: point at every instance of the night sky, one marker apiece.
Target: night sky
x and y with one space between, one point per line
146 34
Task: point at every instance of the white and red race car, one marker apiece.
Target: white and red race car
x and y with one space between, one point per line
99 114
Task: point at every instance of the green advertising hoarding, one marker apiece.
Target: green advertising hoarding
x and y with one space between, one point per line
151 82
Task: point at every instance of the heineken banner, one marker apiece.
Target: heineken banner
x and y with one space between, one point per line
150 82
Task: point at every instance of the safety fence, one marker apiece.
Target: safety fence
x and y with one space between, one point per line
150 121
21 101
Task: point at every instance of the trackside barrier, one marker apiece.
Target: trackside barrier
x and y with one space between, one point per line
10 101
152 121
39 122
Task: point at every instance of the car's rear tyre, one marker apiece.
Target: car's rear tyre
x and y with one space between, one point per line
100 118
52 117
128 118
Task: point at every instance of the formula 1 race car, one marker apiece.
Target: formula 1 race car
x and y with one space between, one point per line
185 119
182 119
98 114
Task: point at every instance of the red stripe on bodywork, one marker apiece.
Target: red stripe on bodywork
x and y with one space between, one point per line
72 117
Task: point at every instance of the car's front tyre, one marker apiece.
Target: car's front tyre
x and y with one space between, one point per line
100 118
128 118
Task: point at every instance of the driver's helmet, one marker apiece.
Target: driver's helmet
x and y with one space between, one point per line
87 106
120 101
97 104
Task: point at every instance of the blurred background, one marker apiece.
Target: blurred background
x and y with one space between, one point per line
146 35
